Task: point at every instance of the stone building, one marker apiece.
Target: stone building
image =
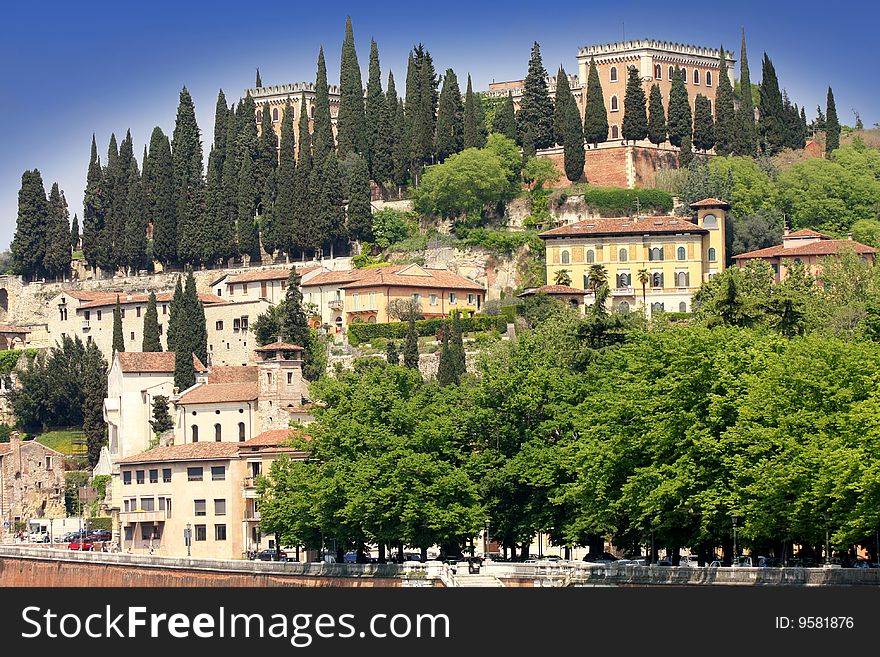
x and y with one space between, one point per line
275 97
31 482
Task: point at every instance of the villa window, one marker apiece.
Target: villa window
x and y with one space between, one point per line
452 297
201 533
708 78
682 279
614 104
274 114
241 436
139 476
684 75
696 76
220 507
126 477
565 258
624 279
615 132
194 474
154 476
195 433
166 475
712 254
218 473
655 254
218 433
614 74
682 307
657 279
671 72
682 253
591 256
622 255
219 532
200 508
657 307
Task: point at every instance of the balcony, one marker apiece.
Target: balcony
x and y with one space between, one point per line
252 516
131 517
85 325
335 304
622 291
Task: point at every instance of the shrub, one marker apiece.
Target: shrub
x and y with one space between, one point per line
615 202
359 333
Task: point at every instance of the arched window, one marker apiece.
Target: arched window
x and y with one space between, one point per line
658 72
682 254
565 258
622 255
312 111
655 254
615 132
269 378
710 221
591 256
241 436
708 78
614 74
671 72
623 307
274 113
195 433
712 254
624 280
657 307
709 100
218 433
684 75
259 115
614 104
683 307
682 279
696 76
657 279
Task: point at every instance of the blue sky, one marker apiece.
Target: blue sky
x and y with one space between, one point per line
68 69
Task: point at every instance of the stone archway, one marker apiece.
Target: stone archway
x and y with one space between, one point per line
4 302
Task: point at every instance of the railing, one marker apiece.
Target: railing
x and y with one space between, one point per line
623 291
142 516
335 304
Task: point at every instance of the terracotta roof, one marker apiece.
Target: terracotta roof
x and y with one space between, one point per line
268 275
126 299
271 438
190 452
711 203
553 289
279 346
625 226
820 248
160 362
5 448
334 277
83 295
233 374
806 232
6 328
221 393
410 276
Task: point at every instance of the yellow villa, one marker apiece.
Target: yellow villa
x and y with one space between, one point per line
653 262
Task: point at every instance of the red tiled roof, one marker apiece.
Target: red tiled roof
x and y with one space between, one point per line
625 226
334 277
553 289
221 393
83 295
160 362
190 452
711 203
5 448
268 275
806 232
233 374
6 328
819 248
126 299
279 346
410 276
271 438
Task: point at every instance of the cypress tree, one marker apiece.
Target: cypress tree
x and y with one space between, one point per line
151 340
391 355
704 125
456 345
746 137
221 130
118 340
805 128
374 107
189 187
217 234
323 130
820 119
771 117
94 385
93 210
383 147
832 125
194 312
122 189
246 230
224 241
595 114
74 233
110 176
359 216
791 124
136 224
285 200
56 260
480 114
268 231
302 177
679 121
446 369
411 103
686 152
247 137
350 121
560 106
159 191
450 118
420 108
330 202
258 82
401 146
267 148
184 370
656 116
294 323
535 106
175 317
29 244
635 117
504 122
411 346
473 129
725 125
573 141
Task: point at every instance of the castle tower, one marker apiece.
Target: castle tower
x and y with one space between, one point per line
712 215
282 386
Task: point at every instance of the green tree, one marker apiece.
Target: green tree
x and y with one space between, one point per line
118 339
151 341
259 82
375 106
135 244
456 346
322 133
505 119
595 114
218 228
359 215
446 368
704 125
29 243
535 106
573 143
656 116
746 137
725 117
539 171
161 421
386 137
246 228
93 210
159 187
188 184
391 355
771 117
450 118
94 386
56 260
832 126
285 201
221 128
560 106
176 317
465 183
411 345
635 118
679 122
474 128
304 165
184 370
351 121
75 235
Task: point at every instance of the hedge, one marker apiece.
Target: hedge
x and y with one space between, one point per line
362 332
617 202
9 358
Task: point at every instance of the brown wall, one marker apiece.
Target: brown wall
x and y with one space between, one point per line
608 166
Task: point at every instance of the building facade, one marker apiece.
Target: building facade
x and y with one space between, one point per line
806 247
655 263
31 482
276 96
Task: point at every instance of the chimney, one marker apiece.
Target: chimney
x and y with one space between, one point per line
849 236
15 440
785 231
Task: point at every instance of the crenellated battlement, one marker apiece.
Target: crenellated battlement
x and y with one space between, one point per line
618 47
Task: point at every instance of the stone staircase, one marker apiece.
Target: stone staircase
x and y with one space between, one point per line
475 581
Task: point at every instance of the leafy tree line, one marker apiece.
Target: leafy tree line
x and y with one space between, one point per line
41 247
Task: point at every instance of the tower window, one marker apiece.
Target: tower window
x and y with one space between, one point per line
615 132
275 114
658 72
241 432
671 72
708 78
696 76
614 74
712 254
614 104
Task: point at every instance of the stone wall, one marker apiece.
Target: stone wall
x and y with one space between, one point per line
428 363
618 165
31 486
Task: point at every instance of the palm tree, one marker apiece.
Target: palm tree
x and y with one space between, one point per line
597 276
644 277
562 277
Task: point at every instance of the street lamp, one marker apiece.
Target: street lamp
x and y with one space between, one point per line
188 538
734 519
827 540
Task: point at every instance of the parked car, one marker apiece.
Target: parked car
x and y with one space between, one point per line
272 555
84 545
100 535
863 563
663 562
39 537
604 557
